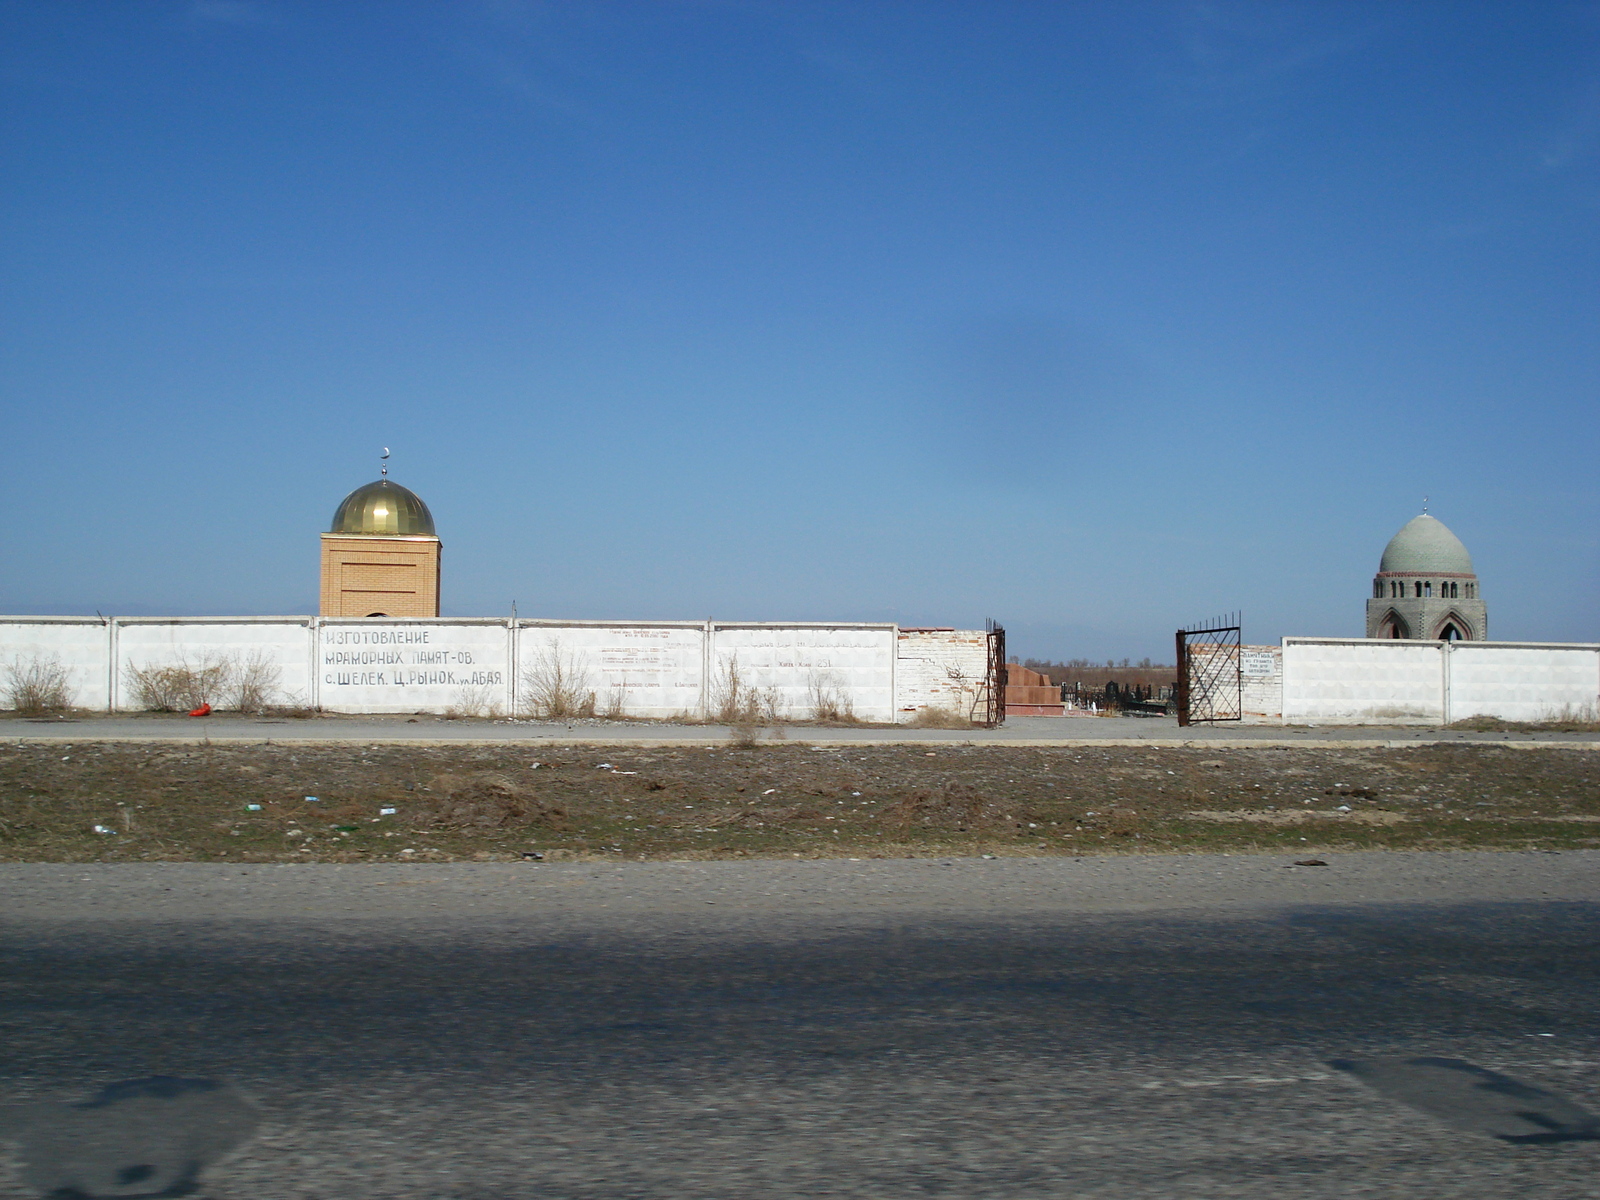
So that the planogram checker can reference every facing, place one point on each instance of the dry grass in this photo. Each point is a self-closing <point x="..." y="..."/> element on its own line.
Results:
<point x="939" y="718"/>
<point x="1564" y="720"/>
<point x="475" y="700"/>
<point x="777" y="799"/>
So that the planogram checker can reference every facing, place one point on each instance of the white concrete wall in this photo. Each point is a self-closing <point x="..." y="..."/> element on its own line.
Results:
<point x="1360" y="682"/>
<point x="653" y="669"/>
<point x="410" y="665"/>
<point x="853" y="662"/>
<point x="281" y="644"/>
<point x="1356" y="681"/>
<point x="1522" y="683"/>
<point x="939" y="668"/>
<point x="81" y="645"/>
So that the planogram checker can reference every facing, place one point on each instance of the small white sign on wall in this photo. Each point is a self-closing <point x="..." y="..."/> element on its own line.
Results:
<point x="1257" y="664"/>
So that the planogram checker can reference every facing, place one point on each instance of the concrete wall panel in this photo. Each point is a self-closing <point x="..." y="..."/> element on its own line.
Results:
<point x="1361" y="682"/>
<point x="422" y="665"/>
<point x="794" y="662"/>
<point x="1522" y="683"/>
<point x="1382" y="682"/>
<point x="81" y="645"/>
<point x="279" y="646"/>
<point x="634" y="669"/>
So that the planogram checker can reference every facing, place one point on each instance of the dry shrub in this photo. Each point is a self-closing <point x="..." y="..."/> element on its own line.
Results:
<point x="180" y="687"/>
<point x="958" y="806"/>
<point x="939" y="718"/>
<point x="252" y="685"/>
<point x="828" y="700"/>
<point x="475" y="700"/>
<point x="739" y="703"/>
<point x="226" y="681"/>
<point x="490" y="801"/>
<point x="38" y="685"/>
<point x="742" y="706"/>
<point x="555" y="684"/>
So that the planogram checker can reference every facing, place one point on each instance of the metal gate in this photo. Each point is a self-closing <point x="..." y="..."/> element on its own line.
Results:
<point x="994" y="676"/>
<point x="1210" y="687"/>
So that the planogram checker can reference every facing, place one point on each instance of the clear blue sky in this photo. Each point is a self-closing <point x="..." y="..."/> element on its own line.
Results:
<point x="1092" y="318"/>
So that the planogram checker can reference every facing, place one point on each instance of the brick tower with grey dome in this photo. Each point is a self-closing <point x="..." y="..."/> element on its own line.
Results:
<point x="1425" y="587"/>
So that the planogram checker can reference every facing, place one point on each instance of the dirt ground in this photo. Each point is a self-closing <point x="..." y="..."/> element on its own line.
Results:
<point x="129" y="802"/>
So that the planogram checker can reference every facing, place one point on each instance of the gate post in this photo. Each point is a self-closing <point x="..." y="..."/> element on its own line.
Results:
<point x="1210" y="686"/>
<point x="995" y="674"/>
<point x="1183" y="678"/>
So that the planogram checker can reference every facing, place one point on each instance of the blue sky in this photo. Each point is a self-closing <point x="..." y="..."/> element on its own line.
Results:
<point x="1092" y="318"/>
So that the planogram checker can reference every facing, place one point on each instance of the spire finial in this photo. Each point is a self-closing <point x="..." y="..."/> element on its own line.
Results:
<point x="383" y="465"/>
<point x="1424" y="499"/>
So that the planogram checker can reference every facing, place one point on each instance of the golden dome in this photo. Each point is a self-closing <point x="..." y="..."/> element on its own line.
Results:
<point x="383" y="508"/>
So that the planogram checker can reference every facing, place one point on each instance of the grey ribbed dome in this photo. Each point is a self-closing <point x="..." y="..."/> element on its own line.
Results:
<point x="383" y="508"/>
<point x="1427" y="547"/>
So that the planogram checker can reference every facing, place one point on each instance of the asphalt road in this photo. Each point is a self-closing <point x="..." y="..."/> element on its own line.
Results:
<point x="1150" y="1027"/>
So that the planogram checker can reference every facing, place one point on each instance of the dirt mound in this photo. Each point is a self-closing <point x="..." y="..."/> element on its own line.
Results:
<point x="957" y="806"/>
<point x="753" y="818"/>
<point x="490" y="801"/>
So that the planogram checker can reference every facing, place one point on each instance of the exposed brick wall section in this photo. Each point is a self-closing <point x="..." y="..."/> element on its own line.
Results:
<point x="1260" y="682"/>
<point x="395" y="576"/>
<point x="939" y="668"/>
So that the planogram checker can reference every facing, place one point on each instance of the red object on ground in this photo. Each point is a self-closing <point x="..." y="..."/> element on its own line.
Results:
<point x="203" y="711"/>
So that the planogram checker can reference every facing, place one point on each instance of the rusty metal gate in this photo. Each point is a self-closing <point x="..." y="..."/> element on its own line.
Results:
<point x="994" y="677"/>
<point x="1210" y="687"/>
